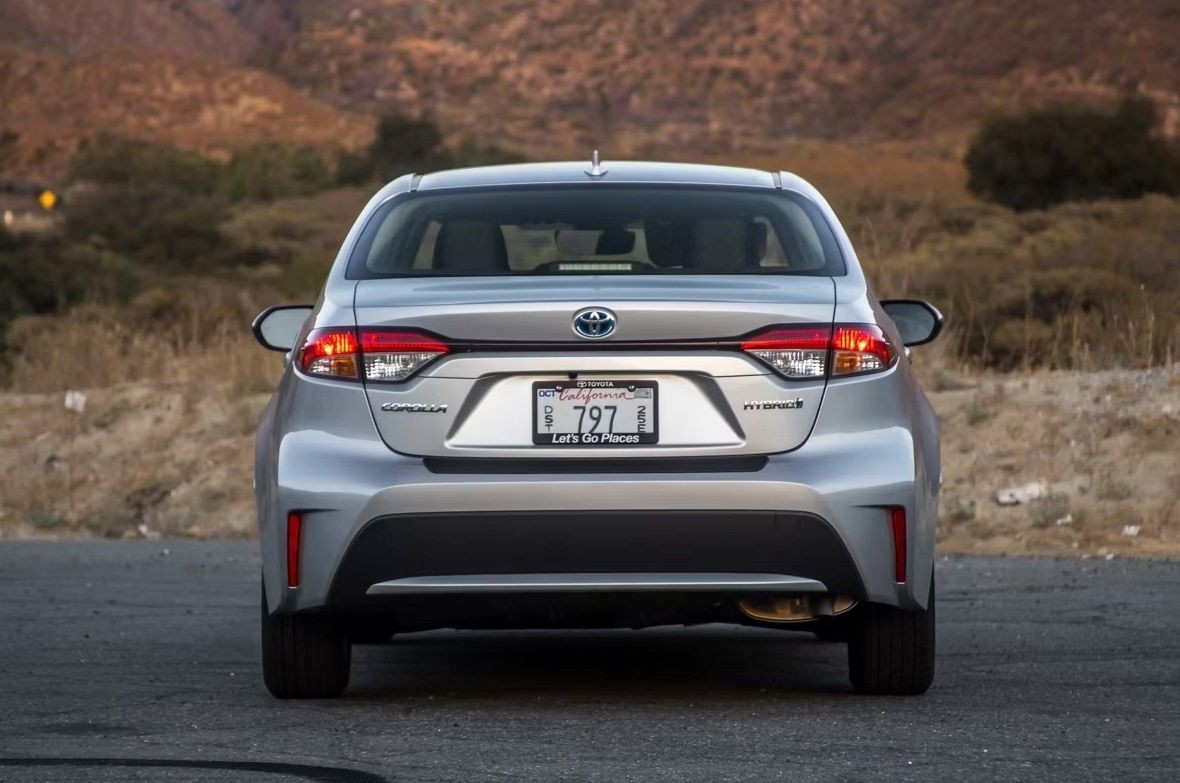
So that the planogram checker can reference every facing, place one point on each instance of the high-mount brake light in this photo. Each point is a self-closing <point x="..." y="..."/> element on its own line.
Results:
<point x="804" y="352"/>
<point x="384" y="354"/>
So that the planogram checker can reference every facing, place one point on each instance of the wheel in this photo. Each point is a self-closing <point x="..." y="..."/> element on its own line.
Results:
<point x="304" y="656"/>
<point x="891" y="650"/>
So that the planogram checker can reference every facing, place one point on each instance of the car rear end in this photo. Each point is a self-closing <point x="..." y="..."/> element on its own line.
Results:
<point x="619" y="402"/>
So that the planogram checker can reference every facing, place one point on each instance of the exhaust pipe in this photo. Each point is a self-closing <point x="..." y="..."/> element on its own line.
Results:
<point x="795" y="608"/>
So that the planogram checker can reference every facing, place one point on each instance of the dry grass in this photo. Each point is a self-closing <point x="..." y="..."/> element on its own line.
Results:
<point x="191" y="338"/>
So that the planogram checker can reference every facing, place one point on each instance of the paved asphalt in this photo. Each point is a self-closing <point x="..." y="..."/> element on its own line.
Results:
<point x="138" y="661"/>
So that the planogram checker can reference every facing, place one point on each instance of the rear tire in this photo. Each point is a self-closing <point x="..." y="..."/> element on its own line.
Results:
<point x="304" y="656"/>
<point x="891" y="650"/>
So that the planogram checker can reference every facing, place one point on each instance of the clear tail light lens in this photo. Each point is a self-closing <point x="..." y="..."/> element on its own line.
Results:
<point x="396" y="355"/>
<point x="803" y="352"/>
<point x="793" y="352"/>
<point x="381" y="354"/>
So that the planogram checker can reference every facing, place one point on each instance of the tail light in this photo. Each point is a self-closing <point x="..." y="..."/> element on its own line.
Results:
<point x="802" y="352"/>
<point x="381" y="354"/>
<point x="330" y="352"/>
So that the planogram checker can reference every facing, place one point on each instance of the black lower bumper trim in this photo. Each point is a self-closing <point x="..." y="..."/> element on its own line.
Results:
<point x="566" y="465"/>
<point x="555" y="542"/>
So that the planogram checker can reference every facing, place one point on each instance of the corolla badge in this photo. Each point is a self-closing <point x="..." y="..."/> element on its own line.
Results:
<point x="414" y="407"/>
<point x="594" y="323"/>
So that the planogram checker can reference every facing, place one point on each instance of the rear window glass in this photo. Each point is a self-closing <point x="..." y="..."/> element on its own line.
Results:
<point x="596" y="230"/>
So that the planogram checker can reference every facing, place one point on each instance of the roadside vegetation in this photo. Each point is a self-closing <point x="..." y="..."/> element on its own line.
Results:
<point x="1072" y="152"/>
<point x="143" y="293"/>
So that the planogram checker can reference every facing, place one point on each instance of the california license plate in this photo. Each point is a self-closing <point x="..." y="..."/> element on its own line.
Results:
<point x="595" y="413"/>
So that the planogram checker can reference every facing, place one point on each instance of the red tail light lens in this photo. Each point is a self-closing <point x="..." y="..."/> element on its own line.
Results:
<point x="384" y="354"/>
<point x="857" y="349"/>
<point x="330" y="352"/>
<point x="802" y="352"/>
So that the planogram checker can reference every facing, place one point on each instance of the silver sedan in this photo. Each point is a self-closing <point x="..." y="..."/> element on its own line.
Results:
<point x="597" y="395"/>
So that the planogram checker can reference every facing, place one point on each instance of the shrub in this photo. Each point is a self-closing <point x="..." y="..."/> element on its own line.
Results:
<point x="264" y="172"/>
<point x="47" y="275"/>
<point x="403" y="144"/>
<point x="157" y="225"/>
<point x="116" y="160"/>
<point x="1077" y="285"/>
<point x="1065" y="152"/>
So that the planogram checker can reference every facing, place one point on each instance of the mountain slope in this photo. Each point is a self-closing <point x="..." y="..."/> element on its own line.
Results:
<point x="736" y="74"/>
<point x="553" y="77"/>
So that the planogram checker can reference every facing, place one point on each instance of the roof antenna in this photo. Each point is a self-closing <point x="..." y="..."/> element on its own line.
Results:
<point x="596" y="169"/>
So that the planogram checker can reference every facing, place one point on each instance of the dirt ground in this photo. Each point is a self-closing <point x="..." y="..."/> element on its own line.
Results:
<point x="1093" y="457"/>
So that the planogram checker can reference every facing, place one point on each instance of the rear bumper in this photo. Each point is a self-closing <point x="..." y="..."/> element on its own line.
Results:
<point x="580" y="551"/>
<point x="373" y="516"/>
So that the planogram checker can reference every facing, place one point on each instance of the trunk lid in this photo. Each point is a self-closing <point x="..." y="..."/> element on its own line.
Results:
<point x="514" y="335"/>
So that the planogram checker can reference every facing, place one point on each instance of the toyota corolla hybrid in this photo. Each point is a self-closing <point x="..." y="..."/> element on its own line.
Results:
<point x="597" y="395"/>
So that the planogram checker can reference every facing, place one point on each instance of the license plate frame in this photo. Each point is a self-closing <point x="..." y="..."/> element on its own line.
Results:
<point x="629" y="439"/>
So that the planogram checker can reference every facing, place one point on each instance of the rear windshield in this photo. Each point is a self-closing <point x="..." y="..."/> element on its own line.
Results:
<point x="598" y="230"/>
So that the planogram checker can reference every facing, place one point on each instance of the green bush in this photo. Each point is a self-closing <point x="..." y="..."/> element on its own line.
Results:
<point x="258" y="172"/>
<point x="404" y="144"/>
<point x="157" y="225"/>
<point x="47" y="275"/>
<point x="1066" y="152"/>
<point x="264" y="172"/>
<point x="116" y="160"/>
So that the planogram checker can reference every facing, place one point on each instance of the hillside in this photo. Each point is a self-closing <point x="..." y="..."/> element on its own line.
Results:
<point x="170" y="72"/>
<point x="739" y="74"/>
<point x="657" y="77"/>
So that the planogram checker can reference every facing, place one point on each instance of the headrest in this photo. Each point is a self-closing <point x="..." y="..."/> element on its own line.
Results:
<point x="615" y="242"/>
<point x="667" y="241"/>
<point x="470" y="246"/>
<point x="721" y="244"/>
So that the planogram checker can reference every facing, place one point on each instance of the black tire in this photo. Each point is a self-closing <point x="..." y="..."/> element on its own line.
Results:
<point x="304" y="656"/>
<point x="891" y="650"/>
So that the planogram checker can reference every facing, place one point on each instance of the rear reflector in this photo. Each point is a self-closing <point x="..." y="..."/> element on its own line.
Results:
<point x="803" y="352"/>
<point x="384" y="354"/>
<point x="294" y="536"/>
<point x="897" y="519"/>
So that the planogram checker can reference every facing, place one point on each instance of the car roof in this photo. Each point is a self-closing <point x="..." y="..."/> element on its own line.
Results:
<point x="618" y="171"/>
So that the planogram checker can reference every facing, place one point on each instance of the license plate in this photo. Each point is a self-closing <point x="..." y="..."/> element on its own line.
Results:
<point x="594" y="413"/>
